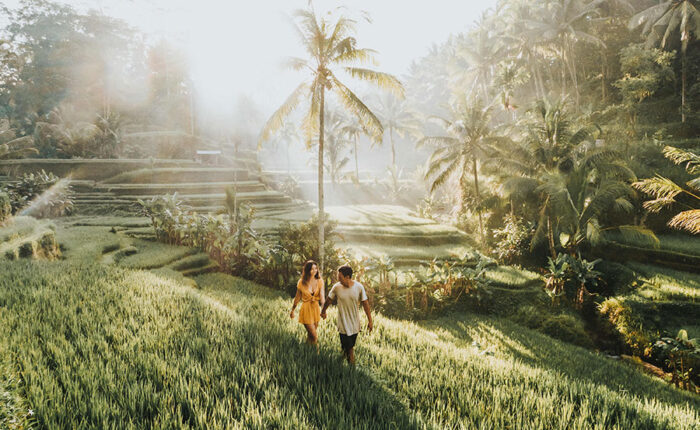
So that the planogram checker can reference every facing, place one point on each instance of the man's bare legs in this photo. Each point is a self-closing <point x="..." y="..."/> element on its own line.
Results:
<point x="349" y="355"/>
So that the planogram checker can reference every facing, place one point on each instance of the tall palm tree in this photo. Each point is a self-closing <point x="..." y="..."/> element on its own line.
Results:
<point x="330" y="46"/>
<point x="557" y="25"/>
<point x="661" y="20"/>
<point x="336" y="142"/>
<point x="475" y="59"/>
<point x="575" y="183"/>
<point x="397" y="119"/>
<point x="469" y="140"/>
<point x="353" y="130"/>
<point x="286" y="135"/>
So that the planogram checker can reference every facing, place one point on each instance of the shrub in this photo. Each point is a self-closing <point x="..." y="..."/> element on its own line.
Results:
<point x="5" y="207"/>
<point x="628" y="322"/>
<point x="512" y="241"/>
<point x="571" y="277"/>
<point x="681" y="356"/>
<point x="45" y="195"/>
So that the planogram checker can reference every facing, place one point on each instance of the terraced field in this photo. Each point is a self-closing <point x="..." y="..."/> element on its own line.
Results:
<point x="133" y="348"/>
<point x="385" y="231"/>
<point x="27" y="237"/>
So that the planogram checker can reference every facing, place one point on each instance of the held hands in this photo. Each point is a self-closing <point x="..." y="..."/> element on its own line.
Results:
<point x="323" y="315"/>
<point x="291" y="314"/>
<point x="369" y="326"/>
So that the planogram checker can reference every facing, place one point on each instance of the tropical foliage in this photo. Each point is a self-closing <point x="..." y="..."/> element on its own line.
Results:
<point x="331" y="46"/>
<point x="666" y="192"/>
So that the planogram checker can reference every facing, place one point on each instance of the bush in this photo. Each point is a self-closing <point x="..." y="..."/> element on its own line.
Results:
<point x="512" y="241"/>
<point x="5" y="207"/>
<point x="571" y="277"/>
<point x="41" y="195"/>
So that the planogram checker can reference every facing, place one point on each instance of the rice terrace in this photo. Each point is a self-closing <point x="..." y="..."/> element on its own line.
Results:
<point x="350" y="215"/>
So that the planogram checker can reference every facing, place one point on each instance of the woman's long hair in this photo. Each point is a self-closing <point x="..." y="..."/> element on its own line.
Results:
<point x="307" y="272"/>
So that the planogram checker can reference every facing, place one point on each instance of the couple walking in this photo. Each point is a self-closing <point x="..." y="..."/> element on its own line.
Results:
<point x="348" y="296"/>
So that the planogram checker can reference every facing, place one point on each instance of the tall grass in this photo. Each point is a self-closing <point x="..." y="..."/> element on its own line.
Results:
<point x="107" y="347"/>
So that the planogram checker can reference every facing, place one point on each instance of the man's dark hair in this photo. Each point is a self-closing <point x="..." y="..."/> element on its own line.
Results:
<point x="345" y="270"/>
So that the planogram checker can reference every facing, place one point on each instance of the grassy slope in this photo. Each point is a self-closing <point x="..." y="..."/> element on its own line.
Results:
<point x="104" y="346"/>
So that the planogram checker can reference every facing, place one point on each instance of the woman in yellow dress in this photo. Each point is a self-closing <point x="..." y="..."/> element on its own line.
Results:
<point x="311" y="293"/>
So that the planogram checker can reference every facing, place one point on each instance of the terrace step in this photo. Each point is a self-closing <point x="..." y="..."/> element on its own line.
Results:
<point x="181" y="175"/>
<point x="180" y="188"/>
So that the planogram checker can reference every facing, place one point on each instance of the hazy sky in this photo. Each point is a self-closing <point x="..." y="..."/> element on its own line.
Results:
<point x="236" y="47"/>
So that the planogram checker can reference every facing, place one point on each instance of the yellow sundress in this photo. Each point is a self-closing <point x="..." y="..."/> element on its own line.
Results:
<point x="310" y="311"/>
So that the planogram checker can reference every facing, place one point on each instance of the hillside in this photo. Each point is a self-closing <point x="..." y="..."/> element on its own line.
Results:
<point x="131" y="348"/>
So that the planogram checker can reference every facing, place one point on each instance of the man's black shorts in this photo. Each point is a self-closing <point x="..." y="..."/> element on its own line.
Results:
<point x="348" y="342"/>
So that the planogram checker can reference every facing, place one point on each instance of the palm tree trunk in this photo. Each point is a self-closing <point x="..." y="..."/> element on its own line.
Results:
<point x="321" y="213"/>
<point x="478" y="199"/>
<point x="393" y="149"/>
<point x="357" y="169"/>
<point x="684" y="66"/>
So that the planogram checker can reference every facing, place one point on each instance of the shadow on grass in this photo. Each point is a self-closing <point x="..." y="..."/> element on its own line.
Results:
<point x="574" y="362"/>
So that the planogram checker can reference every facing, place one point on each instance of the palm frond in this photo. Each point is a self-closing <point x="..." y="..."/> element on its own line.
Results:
<point x="622" y="204"/>
<point x="296" y="64"/>
<point x="438" y="141"/>
<point x="687" y="220"/>
<point x="679" y="156"/>
<point x="604" y="199"/>
<point x="636" y="234"/>
<point x="276" y="121"/>
<point x="311" y="124"/>
<point x="659" y="187"/>
<point x="352" y="103"/>
<point x="694" y="184"/>
<point x="444" y="175"/>
<point x="362" y="56"/>
<point x="383" y="80"/>
<point x="654" y="206"/>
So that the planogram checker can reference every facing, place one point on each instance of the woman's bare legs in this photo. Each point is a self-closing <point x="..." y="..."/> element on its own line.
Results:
<point x="311" y="335"/>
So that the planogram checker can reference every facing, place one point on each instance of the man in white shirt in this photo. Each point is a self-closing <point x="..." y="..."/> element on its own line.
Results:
<point x="348" y="295"/>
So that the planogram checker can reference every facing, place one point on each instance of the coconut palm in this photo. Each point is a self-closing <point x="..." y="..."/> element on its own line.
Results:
<point x="475" y="59"/>
<point x="557" y="26"/>
<point x="337" y="141"/>
<point x="330" y="46"/>
<point x="286" y="135"/>
<point x="662" y="20"/>
<point x="574" y="183"/>
<point x="353" y="130"/>
<point x="397" y="119"/>
<point x="470" y="139"/>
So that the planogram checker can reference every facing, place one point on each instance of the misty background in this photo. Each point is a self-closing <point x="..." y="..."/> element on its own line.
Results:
<point x="229" y="58"/>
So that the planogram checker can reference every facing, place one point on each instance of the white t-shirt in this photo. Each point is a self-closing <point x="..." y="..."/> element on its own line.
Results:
<point x="349" y="299"/>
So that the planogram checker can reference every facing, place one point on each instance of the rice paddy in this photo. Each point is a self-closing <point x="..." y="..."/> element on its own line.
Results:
<point x="131" y="348"/>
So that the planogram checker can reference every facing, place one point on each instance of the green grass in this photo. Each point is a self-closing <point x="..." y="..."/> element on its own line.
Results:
<point x="152" y="254"/>
<point x="161" y="355"/>
<point x="512" y="277"/>
<point x="103" y="346"/>
<point x="679" y="243"/>
<point x="662" y="284"/>
<point x="22" y="226"/>
<point x="111" y="221"/>
<point x="408" y="254"/>
<point x="27" y="237"/>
